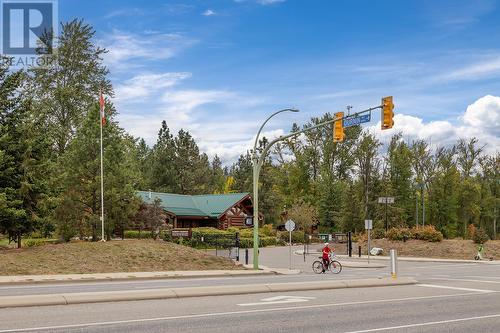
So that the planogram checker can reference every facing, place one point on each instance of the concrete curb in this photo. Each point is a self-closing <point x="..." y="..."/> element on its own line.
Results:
<point x="167" y="293"/>
<point x="414" y="259"/>
<point x="124" y="276"/>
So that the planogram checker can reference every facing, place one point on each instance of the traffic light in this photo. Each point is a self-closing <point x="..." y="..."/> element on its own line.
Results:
<point x="338" y="128"/>
<point x="387" y="113"/>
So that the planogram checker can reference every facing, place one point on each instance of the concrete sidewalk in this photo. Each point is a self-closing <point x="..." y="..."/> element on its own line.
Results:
<point x="30" y="279"/>
<point x="420" y="259"/>
<point x="356" y="258"/>
<point x="166" y="293"/>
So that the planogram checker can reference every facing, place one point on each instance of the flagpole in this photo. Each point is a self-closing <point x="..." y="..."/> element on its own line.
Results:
<point x="103" y="239"/>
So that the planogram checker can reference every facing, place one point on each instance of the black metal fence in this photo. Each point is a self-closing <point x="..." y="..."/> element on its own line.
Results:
<point x="224" y="245"/>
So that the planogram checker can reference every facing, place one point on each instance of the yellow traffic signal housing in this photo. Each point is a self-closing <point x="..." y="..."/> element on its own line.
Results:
<point x="387" y="113"/>
<point x="338" y="128"/>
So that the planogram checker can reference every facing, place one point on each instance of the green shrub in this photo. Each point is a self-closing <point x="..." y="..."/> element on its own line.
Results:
<point x="268" y="230"/>
<point x="427" y="233"/>
<point x="31" y="242"/>
<point x="167" y="236"/>
<point x="264" y="241"/>
<point x="246" y="243"/>
<point x="136" y="235"/>
<point x="480" y="236"/>
<point x="268" y="241"/>
<point x="297" y="236"/>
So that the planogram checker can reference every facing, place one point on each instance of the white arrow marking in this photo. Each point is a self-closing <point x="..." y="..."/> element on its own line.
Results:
<point x="279" y="300"/>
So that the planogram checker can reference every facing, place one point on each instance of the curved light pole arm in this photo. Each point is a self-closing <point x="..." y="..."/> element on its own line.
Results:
<point x="256" y="169"/>
<point x="264" y="124"/>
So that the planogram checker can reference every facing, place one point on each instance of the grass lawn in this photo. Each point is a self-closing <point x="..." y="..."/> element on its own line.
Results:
<point x="115" y="256"/>
<point x="447" y="249"/>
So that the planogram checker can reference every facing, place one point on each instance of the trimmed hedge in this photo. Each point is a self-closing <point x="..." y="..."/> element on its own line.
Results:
<point x="264" y="241"/>
<point x="31" y="242"/>
<point x="136" y="235"/>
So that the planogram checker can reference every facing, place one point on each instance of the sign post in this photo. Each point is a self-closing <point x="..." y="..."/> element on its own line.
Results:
<point x="290" y="226"/>
<point x="369" y="227"/>
<point x="386" y="201"/>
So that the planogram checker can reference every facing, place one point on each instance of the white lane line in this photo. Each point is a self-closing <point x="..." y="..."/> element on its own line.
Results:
<point x="455" y="288"/>
<point x="429" y="323"/>
<point x="437" y="266"/>
<point x="218" y="314"/>
<point x="481" y="276"/>
<point x="279" y="300"/>
<point x="466" y="280"/>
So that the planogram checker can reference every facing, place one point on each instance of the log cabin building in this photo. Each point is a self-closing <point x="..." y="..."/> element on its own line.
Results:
<point x="219" y="211"/>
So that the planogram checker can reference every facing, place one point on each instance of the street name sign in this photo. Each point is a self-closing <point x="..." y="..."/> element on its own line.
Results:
<point x="356" y="120"/>
<point x="389" y="200"/>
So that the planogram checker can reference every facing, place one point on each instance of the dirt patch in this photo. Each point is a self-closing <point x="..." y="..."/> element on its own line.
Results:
<point x="114" y="256"/>
<point x="447" y="249"/>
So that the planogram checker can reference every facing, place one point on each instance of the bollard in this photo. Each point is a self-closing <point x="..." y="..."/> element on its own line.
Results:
<point x="246" y="256"/>
<point x="394" y="263"/>
<point x="305" y="243"/>
<point x="349" y="244"/>
<point x="359" y="251"/>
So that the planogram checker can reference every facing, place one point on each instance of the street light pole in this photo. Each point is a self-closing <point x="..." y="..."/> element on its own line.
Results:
<point x="256" y="170"/>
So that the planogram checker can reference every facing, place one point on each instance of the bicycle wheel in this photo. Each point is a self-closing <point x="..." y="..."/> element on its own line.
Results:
<point x="317" y="267"/>
<point x="335" y="267"/>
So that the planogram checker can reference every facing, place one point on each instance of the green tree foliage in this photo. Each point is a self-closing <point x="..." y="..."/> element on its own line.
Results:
<point x="66" y="89"/>
<point x="23" y="160"/>
<point x="81" y="179"/>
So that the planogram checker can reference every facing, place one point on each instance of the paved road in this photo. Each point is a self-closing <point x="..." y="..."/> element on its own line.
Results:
<point x="441" y="306"/>
<point x="451" y="297"/>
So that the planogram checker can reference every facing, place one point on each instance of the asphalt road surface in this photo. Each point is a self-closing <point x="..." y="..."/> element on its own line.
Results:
<point x="450" y="297"/>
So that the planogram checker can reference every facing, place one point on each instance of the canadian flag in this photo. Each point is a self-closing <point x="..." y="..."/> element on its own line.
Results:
<point x="101" y="105"/>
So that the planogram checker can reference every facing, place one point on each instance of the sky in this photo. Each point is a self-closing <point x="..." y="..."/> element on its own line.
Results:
<point x="218" y="68"/>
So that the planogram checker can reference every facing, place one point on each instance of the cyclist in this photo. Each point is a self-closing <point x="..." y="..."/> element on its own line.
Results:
<point x="326" y="256"/>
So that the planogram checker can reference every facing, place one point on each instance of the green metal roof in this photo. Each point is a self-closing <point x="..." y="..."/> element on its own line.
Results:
<point x="210" y="205"/>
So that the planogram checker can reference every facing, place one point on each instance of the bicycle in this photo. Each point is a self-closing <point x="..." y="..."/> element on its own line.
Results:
<point x="334" y="266"/>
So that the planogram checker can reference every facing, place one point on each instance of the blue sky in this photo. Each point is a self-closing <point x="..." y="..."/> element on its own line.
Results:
<point x="218" y="68"/>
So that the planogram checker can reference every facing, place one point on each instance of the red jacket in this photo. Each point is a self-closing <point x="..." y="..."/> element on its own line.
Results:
<point x="326" y="252"/>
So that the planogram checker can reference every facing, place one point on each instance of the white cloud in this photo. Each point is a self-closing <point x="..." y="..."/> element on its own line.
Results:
<point x="143" y="85"/>
<point x="208" y="12"/>
<point x="147" y="99"/>
<point x="484" y="113"/>
<point x="123" y="47"/>
<point x="481" y="120"/>
<point x="475" y="71"/>
<point x="187" y="100"/>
